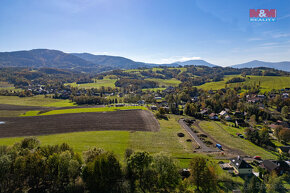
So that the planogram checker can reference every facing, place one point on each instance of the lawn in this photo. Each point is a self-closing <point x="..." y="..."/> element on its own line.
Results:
<point x="82" y="110"/>
<point x="227" y="135"/>
<point x="165" y="82"/>
<point x="267" y="82"/>
<point x="165" y="140"/>
<point x="106" y="82"/>
<point x="39" y="100"/>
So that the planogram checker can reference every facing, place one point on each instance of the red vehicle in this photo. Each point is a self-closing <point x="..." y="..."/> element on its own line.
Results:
<point x="257" y="157"/>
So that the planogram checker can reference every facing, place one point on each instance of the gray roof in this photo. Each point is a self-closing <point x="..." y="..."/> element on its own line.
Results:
<point x="239" y="163"/>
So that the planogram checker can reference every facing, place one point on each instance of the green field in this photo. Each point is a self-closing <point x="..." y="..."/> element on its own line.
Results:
<point x="106" y="82"/>
<point x="153" y="89"/>
<point x="267" y="82"/>
<point x="165" y="140"/>
<point x="4" y="113"/>
<point x="227" y="136"/>
<point x="82" y="110"/>
<point x="8" y="86"/>
<point x="165" y="82"/>
<point x="116" y="141"/>
<point x="39" y="100"/>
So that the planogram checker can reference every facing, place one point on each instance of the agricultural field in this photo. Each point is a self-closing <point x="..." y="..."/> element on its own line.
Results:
<point x="38" y="100"/>
<point x="153" y="89"/>
<point x="267" y="83"/>
<point x="106" y="82"/>
<point x="132" y="120"/>
<point x="7" y="86"/>
<point x="82" y="110"/>
<point x="165" y="82"/>
<point x="163" y="140"/>
<point x="227" y="135"/>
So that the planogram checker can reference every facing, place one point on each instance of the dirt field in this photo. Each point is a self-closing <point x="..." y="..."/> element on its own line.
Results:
<point x="132" y="120"/>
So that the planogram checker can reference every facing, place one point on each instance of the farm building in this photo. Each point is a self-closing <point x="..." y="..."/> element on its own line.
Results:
<point x="241" y="167"/>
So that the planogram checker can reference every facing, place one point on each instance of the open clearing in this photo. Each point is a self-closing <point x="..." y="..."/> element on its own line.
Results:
<point x="267" y="82"/>
<point x="131" y="120"/>
<point x="164" y="140"/>
<point x="83" y="110"/>
<point x="165" y="82"/>
<point x="106" y="82"/>
<point x="38" y="100"/>
<point x="226" y="135"/>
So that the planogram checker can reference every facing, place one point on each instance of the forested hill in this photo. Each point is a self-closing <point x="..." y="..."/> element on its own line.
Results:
<point x="43" y="58"/>
<point x="106" y="62"/>
<point x="285" y="66"/>
<point x="86" y="62"/>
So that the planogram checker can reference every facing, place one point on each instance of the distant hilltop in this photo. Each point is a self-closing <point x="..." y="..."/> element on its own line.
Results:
<point x="98" y="63"/>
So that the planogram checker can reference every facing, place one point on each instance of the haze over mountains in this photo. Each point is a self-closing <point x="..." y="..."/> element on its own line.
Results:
<point x="97" y="63"/>
<point x="285" y="66"/>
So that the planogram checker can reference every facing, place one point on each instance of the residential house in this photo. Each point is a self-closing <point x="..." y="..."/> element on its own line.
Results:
<point x="280" y="167"/>
<point x="223" y="113"/>
<point x="213" y="116"/>
<point x="228" y="118"/>
<point x="240" y="166"/>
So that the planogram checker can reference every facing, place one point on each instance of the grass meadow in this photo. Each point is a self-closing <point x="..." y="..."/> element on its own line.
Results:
<point x="82" y="110"/>
<point x="38" y="100"/>
<point x="227" y="135"/>
<point x="165" y="140"/>
<point x="165" y="82"/>
<point x="267" y="83"/>
<point x="106" y="82"/>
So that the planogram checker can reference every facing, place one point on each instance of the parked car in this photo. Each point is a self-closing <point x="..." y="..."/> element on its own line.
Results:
<point x="219" y="146"/>
<point x="257" y="157"/>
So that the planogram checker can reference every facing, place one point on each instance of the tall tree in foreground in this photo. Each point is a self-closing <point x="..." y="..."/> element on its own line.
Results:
<point x="103" y="174"/>
<point x="203" y="175"/>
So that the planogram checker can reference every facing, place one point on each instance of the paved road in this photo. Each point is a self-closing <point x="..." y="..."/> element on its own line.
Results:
<point x="203" y="147"/>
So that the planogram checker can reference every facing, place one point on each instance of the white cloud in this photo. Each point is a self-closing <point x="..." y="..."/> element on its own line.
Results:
<point x="284" y="17"/>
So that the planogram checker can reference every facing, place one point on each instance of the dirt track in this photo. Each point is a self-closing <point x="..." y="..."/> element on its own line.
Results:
<point x="132" y="120"/>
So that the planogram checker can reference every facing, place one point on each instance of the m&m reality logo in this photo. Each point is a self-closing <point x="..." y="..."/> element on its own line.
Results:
<point x="263" y="15"/>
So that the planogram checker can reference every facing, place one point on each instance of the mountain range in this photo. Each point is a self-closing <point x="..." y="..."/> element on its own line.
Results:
<point x="285" y="66"/>
<point x="87" y="62"/>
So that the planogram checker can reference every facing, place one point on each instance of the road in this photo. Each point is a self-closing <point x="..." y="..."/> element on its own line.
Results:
<point x="203" y="146"/>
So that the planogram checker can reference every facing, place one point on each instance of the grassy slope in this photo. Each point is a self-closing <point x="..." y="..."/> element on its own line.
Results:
<point x="267" y="82"/>
<point x="227" y="136"/>
<point x="166" y="140"/>
<point x="165" y="82"/>
<point x="153" y="89"/>
<point x="7" y="86"/>
<point x="106" y="82"/>
<point x="38" y="100"/>
<point x="83" y="110"/>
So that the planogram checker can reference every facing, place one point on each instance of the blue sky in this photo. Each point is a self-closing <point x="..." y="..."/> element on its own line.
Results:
<point x="159" y="31"/>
